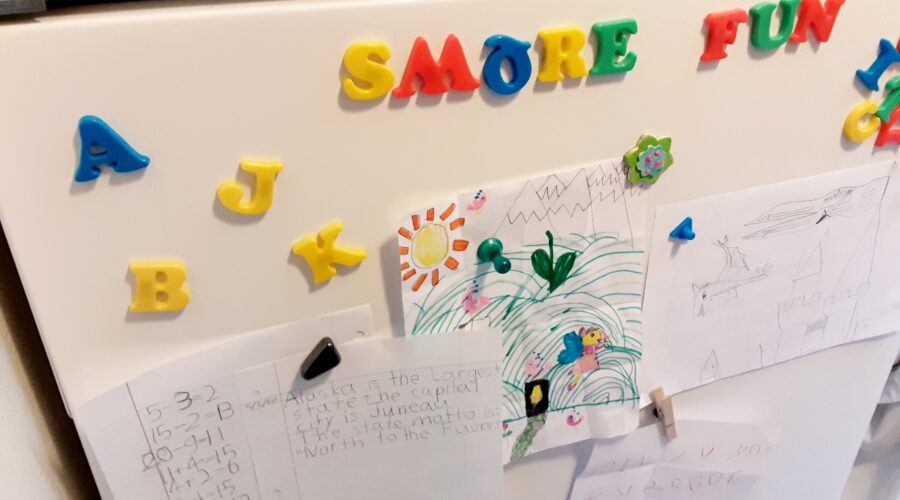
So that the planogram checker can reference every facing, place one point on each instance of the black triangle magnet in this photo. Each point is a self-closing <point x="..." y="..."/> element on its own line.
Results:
<point x="323" y="357"/>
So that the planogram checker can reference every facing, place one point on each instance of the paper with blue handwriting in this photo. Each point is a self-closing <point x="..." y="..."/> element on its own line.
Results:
<point x="569" y="306"/>
<point x="707" y="461"/>
<point x="774" y="273"/>
<point x="176" y="433"/>
<point x="413" y="418"/>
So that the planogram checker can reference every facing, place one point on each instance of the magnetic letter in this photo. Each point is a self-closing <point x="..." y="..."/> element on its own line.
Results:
<point x="721" y="30"/>
<point x="854" y="129"/>
<point x="101" y="145"/>
<point x="891" y="99"/>
<point x="321" y="252"/>
<point x="231" y="193"/>
<point x="159" y="286"/>
<point x="887" y="55"/>
<point x="359" y="62"/>
<point x="814" y="16"/>
<point x="562" y="47"/>
<point x="422" y="64"/>
<point x="761" y="29"/>
<point x="612" y="47"/>
<point x="516" y="51"/>
<point x="888" y="134"/>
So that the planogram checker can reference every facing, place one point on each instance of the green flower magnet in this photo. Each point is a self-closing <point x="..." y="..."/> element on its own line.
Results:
<point x="649" y="159"/>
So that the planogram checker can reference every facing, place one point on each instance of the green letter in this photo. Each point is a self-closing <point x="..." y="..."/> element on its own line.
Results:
<point x="761" y="31"/>
<point x="612" y="47"/>
<point x="891" y="99"/>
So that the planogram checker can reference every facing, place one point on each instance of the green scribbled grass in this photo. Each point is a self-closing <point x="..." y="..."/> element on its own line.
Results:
<point x="603" y="290"/>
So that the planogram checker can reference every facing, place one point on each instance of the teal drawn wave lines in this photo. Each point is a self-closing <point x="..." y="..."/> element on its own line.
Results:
<point x="604" y="290"/>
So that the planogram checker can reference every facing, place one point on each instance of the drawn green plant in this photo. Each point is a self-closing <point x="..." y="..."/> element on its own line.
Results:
<point x="523" y="442"/>
<point x="543" y="265"/>
<point x="606" y="267"/>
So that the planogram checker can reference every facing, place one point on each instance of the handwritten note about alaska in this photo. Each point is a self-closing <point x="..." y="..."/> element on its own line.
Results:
<point x="708" y="460"/>
<point x="409" y="418"/>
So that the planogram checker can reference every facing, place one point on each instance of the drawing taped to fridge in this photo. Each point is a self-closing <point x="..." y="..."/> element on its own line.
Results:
<point x="774" y="273"/>
<point x="568" y="304"/>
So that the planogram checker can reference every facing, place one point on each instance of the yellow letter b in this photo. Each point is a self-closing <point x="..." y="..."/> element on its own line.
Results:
<point x="159" y="286"/>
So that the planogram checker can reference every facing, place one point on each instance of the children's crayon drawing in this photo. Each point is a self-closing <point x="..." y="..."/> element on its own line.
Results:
<point x="569" y="305"/>
<point x="774" y="273"/>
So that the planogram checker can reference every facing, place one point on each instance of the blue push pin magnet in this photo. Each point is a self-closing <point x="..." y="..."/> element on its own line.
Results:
<point x="684" y="231"/>
<point x="491" y="250"/>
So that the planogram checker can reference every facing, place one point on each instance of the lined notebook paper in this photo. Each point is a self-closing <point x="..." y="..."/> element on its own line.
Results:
<point x="414" y="418"/>
<point x="175" y="433"/>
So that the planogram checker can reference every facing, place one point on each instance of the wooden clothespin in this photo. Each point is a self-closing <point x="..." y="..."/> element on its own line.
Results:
<point x="664" y="411"/>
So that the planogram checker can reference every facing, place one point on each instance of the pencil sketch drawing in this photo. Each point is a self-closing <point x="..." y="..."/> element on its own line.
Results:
<point x="775" y="272"/>
<point x="843" y="202"/>
<point x="735" y="274"/>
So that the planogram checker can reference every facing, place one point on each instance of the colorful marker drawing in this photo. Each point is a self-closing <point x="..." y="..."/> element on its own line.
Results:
<point x="429" y="244"/>
<point x="535" y="365"/>
<point x="477" y="202"/>
<point x="592" y="219"/>
<point x="473" y="301"/>
<point x="574" y="417"/>
<point x="581" y="350"/>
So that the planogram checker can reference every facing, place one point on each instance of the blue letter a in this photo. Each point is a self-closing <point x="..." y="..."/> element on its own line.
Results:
<point x="101" y="145"/>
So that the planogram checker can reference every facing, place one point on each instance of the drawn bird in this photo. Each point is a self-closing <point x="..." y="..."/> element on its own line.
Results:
<point x="478" y="203"/>
<point x="473" y="301"/>
<point x="535" y="366"/>
<point x="581" y="349"/>
<point x="537" y="395"/>
<point x="574" y="418"/>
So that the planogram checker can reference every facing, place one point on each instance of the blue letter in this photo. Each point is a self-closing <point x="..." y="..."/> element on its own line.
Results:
<point x="101" y="145"/>
<point x="507" y="47"/>
<point x="887" y="55"/>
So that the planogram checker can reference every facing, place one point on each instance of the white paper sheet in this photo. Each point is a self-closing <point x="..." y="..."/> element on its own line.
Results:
<point x="774" y="273"/>
<point x="405" y="419"/>
<point x="591" y="213"/>
<point x="627" y="484"/>
<point x="708" y="460"/>
<point x="175" y="433"/>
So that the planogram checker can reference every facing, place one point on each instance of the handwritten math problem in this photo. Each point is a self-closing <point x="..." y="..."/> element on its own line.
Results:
<point x="197" y="446"/>
<point x="178" y="432"/>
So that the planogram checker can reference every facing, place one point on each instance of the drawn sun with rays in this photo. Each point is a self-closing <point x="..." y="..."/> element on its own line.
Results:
<point x="429" y="245"/>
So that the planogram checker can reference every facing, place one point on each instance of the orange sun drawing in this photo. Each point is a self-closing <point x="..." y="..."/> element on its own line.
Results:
<point x="428" y="245"/>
